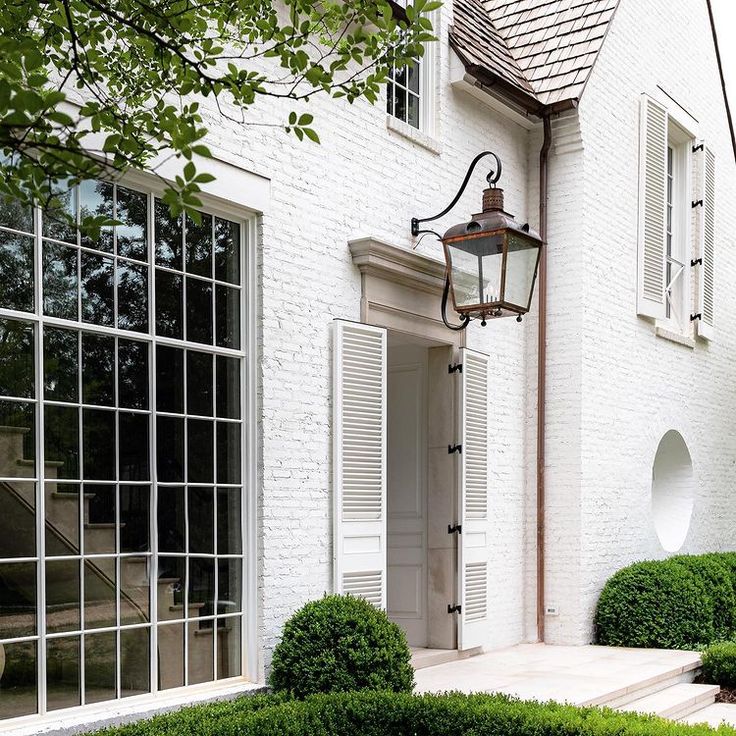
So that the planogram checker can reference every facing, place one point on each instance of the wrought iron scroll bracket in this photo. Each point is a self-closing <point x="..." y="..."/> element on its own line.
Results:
<point x="493" y="176"/>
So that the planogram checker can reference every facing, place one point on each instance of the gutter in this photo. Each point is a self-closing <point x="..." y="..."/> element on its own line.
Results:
<point x="542" y="369"/>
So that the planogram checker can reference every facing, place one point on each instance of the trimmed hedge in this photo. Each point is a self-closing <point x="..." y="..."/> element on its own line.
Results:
<point x="341" y="643"/>
<point x="719" y="664"/>
<point x="684" y="602"/>
<point x="400" y="714"/>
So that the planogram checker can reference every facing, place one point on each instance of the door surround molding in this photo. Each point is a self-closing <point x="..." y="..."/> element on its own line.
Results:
<point x="401" y="290"/>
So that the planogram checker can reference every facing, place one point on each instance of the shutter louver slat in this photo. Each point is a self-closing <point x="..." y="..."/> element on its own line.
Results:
<point x="651" y="300"/>
<point x="474" y="476"/>
<point x="359" y="456"/>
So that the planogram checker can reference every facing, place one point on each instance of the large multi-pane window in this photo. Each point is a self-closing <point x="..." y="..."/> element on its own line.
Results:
<point x="121" y="436"/>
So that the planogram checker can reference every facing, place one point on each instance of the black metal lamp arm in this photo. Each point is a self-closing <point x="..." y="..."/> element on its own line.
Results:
<point x="493" y="176"/>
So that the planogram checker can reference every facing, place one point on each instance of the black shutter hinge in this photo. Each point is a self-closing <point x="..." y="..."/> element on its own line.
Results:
<point x="455" y="529"/>
<point x="698" y="203"/>
<point x="696" y="262"/>
<point x="693" y="317"/>
<point x="455" y="368"/>
<point x="452" y="449"/>
<point x="454" y="609"/>
<point x="699" y="147"/>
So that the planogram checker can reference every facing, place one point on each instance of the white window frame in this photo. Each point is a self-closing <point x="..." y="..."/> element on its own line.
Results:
<point x="679" y="245"/>
<point x="250" y="660"/>
<point x="428" y="66"/>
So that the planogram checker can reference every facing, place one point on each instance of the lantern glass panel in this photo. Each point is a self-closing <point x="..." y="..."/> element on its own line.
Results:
<point x="477" y="265"/>
<point x="521" y="268"/>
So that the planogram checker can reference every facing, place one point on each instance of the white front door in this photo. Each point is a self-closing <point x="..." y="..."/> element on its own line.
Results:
<point x="406" y="492"/>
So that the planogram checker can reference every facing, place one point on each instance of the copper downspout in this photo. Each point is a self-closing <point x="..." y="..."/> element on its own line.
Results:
<point x="542" y="369"/>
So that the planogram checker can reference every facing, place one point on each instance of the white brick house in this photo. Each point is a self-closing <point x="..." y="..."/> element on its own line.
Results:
<point x="179" y="477"/>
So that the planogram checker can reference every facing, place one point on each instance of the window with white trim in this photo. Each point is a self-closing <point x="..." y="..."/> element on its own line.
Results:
<point x="404" y="99"/>
<point x="676" y="224"/>
<point x="122" y="372"/>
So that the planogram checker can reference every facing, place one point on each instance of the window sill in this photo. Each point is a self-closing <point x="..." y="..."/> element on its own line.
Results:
<point x="415" y="136"/>
<point x="683" y="340"/>
<point x="126" y="710"/>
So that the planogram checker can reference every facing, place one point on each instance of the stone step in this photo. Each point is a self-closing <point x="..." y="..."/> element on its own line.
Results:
<point x="676" y="701"/>
<point x="713" y="715"/>
<point x="421" y="658"/>
<point x="664" y="670"/>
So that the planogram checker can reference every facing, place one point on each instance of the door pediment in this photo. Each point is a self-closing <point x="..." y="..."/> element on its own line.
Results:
<point x="401" y="290"/>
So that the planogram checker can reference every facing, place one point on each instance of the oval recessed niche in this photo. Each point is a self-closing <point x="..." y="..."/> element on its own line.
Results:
<point x="673" y="491"/>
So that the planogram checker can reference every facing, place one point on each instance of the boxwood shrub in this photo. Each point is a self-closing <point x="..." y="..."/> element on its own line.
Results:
<point x="341" y="643"/>
<point x="684" y="602"/>
<point x="719" y="664"/>
<point x="369" y="713"/>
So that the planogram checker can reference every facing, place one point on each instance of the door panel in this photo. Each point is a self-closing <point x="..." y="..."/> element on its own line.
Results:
<point x="406" y="480"/>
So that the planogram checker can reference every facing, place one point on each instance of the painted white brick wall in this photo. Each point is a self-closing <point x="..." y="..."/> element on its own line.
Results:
<point x="364" y="180"/>
<point x="614" y="387"/>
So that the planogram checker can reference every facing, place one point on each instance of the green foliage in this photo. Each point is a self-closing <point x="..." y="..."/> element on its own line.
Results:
<point x="89" y="88"/>
<point x="401" y="714"/>
<point x="684" y="602"/>
<point x="340" y="644"/>
<point x="719" y="664"/>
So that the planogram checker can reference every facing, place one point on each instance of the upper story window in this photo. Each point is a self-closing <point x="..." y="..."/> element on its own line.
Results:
<point x="676" y="224"/>
<point x="404" y="94"/>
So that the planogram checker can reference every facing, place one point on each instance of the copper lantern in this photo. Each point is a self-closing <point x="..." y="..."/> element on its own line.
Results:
<point x="491" y="262"/>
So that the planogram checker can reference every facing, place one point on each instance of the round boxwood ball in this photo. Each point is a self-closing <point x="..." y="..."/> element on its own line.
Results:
<point x="341" y="644"/>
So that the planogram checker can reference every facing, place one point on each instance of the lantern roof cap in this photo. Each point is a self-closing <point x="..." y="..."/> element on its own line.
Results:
<point x="492" y="219"/>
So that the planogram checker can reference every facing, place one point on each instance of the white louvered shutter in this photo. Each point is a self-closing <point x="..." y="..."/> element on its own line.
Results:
<point x="473" y="626"/>
<point x="652" y="251"/>
<point x="706" y="234"/>
<point x="359" y="460"/>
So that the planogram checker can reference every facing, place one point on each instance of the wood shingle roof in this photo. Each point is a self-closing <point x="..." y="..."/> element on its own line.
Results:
<point x="544" y="48"/>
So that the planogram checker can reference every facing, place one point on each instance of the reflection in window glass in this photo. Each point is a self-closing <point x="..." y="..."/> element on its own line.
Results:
<point x="198" y="246"/>
<point x="62" y="595"/>
<point x="16" y="271"/>
<point x="61" y="364"/>
<point x="100" y="666"/>
<point x="169" y="304"/>
<point x="99" y="444"/>
<point x="16" y="358"/>
<point x="228" y="452"/>
<point x="95" y="200"/>
<point x="18" y="693"/>
<point x="15" y="215"/>
<point x="20" y="416"/>
<point x="228" y="387"/>
<point x="201" y="586"/>
<point x="99" y="592"/>
<point x="199" y="383"/>
<point x="202" y="667"/>
<point x="60" y="283"/>
<point x="201" y="520"/>
<point x="228" y="521"/>
<point x="227" y="308"/>
<point x="171" y="641"/>
<point x="18" y="519"/>
<point x="98" y="301"/>
<point x="133" y="374"/>
<point x="60" y="216"/>
<point x="229" y="647"/>
<point x="99" y="527"/>
<point x="63" y="538"/>
<point x="227" y="251"/>
<point x="132" y="297"/>
<point x="62" y="673"/>
<point x="228" y="585"/>
<point x="61" y="439"/>
<point x="132" y="211"/>
<point x="199" y="311"/>
<point x="98" y="369"/>
<point x="133" y="450"/>
<point x="170" y="518"/>
<point x="135" y="675"/>
<point x="170" y="449"/>
<point x="169" y="379"/>
<point x="200" y="450"/>
<point x="169" y="237"/>
<point x="135" y="504"/>
<point x="17" y="599"/>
